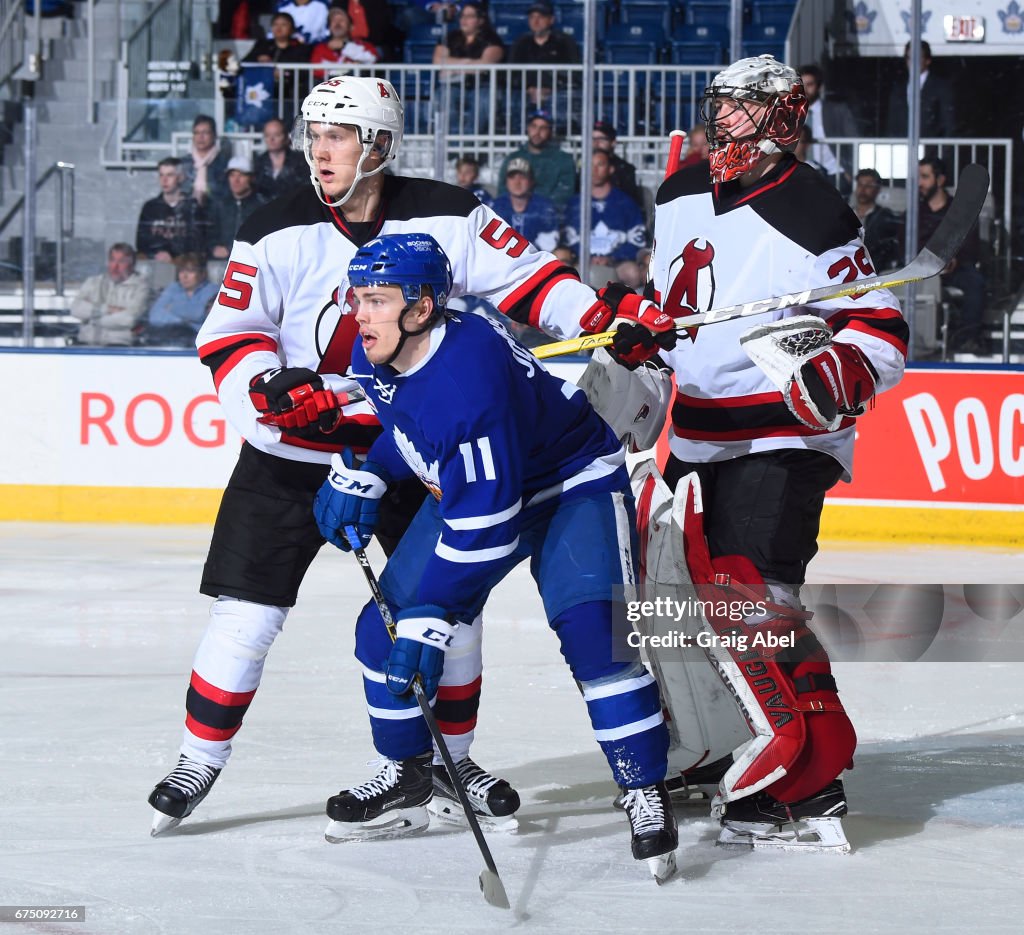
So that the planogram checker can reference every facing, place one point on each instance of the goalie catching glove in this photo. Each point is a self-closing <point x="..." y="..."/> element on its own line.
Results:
<point x="295" y="400"/>
<point x="822" y="381"/>
<point x="641" y="328"/>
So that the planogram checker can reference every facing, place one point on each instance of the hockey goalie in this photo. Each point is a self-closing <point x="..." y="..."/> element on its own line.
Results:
<point x="763" y="422"/>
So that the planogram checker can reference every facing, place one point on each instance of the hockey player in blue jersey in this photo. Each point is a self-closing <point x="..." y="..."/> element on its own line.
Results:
<point x="520" y="466"/>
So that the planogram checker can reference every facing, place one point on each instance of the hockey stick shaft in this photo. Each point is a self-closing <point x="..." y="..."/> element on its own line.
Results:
<point x="676" y="139"/>
<point x="490" y="882"/>
<point x="934" y="257"/>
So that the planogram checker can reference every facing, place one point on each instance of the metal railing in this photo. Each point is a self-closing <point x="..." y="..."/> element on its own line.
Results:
<point x="20" y="42"/>
<point x="63" y="213"/>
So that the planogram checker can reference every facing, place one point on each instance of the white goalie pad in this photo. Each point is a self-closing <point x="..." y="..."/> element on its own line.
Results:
<point x="633" y="402"/>
<point x="704" y="721"/>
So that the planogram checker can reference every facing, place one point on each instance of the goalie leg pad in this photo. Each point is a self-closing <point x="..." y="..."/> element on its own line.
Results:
<point x="633" y="402"/>
<point x="776" y="669"/>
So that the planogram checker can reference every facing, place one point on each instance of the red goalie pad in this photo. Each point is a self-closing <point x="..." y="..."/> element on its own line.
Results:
<point x="777" y="671"/>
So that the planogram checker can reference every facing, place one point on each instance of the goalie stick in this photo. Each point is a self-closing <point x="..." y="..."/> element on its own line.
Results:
<point x="490" y="883"/>
<point x="934" y="257"/>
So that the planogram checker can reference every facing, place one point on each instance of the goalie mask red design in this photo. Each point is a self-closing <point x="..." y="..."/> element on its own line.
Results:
<point x="770" y="96"/>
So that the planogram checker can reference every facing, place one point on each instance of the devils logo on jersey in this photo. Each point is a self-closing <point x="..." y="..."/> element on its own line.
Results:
<point x="382" y="89"/>
<point x="336" y="331"/>
<point x="691" y="278"/>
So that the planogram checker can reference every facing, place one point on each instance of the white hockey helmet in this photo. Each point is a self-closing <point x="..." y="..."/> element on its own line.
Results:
<point x="780" y="110"/>
<point x="371" y="105"/>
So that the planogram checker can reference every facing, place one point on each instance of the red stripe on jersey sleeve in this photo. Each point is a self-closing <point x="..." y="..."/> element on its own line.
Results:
<point x="517" y="295"/>
<point x="886" y="324"/>
<point x="219" y="695"/>
<point x="223" y="355"/>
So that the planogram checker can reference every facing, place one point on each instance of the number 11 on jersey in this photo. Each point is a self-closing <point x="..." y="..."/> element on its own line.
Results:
<point x="469" y="459"/>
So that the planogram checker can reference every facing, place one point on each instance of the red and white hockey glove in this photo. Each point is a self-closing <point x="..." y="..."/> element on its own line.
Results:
<point x="295" y="400"/>
<point x="822" y="381"/>
<point x="642" y="329"/>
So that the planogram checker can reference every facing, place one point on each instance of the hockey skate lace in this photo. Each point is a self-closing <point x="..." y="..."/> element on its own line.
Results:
<point x="478" y="782"/>
<point x="385" y="780"/>
<point x="644" y="809"/>
<point x="191" y="777"/>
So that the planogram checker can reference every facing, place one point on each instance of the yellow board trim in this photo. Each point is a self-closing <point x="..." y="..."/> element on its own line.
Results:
<point x="146" y="505"/>
<point x="172" y="506"/>
<point x="933" y="525"/>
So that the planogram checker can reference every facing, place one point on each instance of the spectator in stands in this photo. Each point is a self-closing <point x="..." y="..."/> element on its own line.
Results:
<point x="204" y="167"/>
<point x="309" y="17"/>
<point x="697" y="149"/>
<point x="803" y="149"/>
<point x="554" y="172"/>
<point x="420" y="12"/>
<point x="280" y="168"/>
<point x="623" y="173"/>
<point x="340" y="47"/>
<point x="883" y="228"/>
<point x="181" y="308"/>
<point x="467" y="174"/>
<point x="227" y="213"/>
<point x="938" y="118"/>
<point x="962" y="273"/>
<point x="172" y="223"/>
<point x="543" y="45"/>
<point x="827" y="119"/>
<point x="111" y="304"/>
<point x="282" y="48"/>
<point x="616" y="227"/>
<point x="534" y="216"/>
<point x="473" y="42"/>
<point x="372" y="23"/>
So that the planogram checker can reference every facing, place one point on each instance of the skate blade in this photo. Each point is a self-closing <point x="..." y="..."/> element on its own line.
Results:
<point x="162" y="823"/>
<point x="822" y="835"/>
<point x="451" y="813"/>
<point x="397" y="824"/>
<point x="662" y="867"/>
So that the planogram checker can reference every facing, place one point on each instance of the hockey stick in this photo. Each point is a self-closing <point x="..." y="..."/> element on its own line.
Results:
<point x="490" y="883"/>
<point x="934" y="257"/>
<point x="675" y="149"/>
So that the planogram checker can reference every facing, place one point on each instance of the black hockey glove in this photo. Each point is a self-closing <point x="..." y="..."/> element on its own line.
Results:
<point x="295" y="400"/>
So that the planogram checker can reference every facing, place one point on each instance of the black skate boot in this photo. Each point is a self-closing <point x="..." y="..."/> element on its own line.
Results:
<point x="762" y="822"/>
<point x="494" y="801"/>
<point x="177" y="794"/>
<point x="655" y="836"/>
<point x="390" y="805"/>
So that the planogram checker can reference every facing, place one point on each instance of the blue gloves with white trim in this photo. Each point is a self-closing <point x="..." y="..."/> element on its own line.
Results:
<point x="423" y="638"/>
<point x="349" y="497"/>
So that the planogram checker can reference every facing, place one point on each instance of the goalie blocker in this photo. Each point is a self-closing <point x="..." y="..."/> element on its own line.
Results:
<point x="773" y="666"/>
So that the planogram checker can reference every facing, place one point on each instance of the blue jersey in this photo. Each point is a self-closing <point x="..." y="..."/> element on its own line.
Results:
<point x="495" y="438"/>
<point x="539" y="223"/>
<point x="616" y="226"/>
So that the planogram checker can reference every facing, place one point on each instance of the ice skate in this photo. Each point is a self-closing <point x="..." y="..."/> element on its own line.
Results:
<point x="177" y="794"/>
<point x="391" y="805"/>
<point x="494" y="801"/>
<point x="694" y="786"/>
<point x="813" y="824"/>
<point x="653" y="825"/>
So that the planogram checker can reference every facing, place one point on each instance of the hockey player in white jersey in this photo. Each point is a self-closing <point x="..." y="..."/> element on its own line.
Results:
<point x="762" y="426"/>
<point x="276" y="339"/>
<point x="519" y="466"/>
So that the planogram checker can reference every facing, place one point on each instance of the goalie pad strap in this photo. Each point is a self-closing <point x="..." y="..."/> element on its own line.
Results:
<point x="815" y="682"/>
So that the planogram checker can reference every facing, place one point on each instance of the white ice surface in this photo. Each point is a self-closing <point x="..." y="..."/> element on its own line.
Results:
<point x="97" y="629"/>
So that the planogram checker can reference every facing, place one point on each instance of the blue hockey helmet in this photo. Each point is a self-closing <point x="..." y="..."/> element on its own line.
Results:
<point x="409" y="261"/>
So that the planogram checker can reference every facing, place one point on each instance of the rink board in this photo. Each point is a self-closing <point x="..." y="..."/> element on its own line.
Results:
<point x="114" y="436"/>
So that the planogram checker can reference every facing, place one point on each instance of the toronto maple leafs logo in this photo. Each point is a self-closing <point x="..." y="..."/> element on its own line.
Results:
<point x="1012" y="19"/>
<point x="861" y="18"/>
<point x="925" y="16"/>
<point x="429" y="475"/>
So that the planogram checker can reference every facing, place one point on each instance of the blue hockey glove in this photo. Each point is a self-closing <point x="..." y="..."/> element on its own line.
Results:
<point x="349" y="497"/>
<point x="423" y="638"/>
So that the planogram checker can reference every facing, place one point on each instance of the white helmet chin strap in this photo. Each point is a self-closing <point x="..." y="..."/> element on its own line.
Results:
<point x="367" y="149"/>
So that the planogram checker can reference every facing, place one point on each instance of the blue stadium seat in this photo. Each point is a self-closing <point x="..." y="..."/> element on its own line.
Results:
<point x="510" y="19"/>
<point x="632" y="53"/>
<point x="638" y="13"/>
<point x="427" y="32"/>
<point x="708" y="13"/>
<point x="637" y="32"/>
<point x="759" y="38"/>
<point x="696" y="53"/>
<point x="685" y="32"/>
<point x="418" y="53"/>
<point x="750" y="49"/>
<point x="773" y="12"/>
<point x="569" y="18"/>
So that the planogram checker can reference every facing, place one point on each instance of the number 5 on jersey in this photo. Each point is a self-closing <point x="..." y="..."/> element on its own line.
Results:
<point x="469" y="459"/>
<point x="236" y="279"/>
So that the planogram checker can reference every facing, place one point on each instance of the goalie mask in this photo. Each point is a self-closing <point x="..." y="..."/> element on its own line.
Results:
<point x="369" y="105"/>
<point x="752" y="109"/>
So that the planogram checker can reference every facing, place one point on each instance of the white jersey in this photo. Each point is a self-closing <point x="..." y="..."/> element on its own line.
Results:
<point x="719" y="245"/>
<point x="285" y="298"/>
